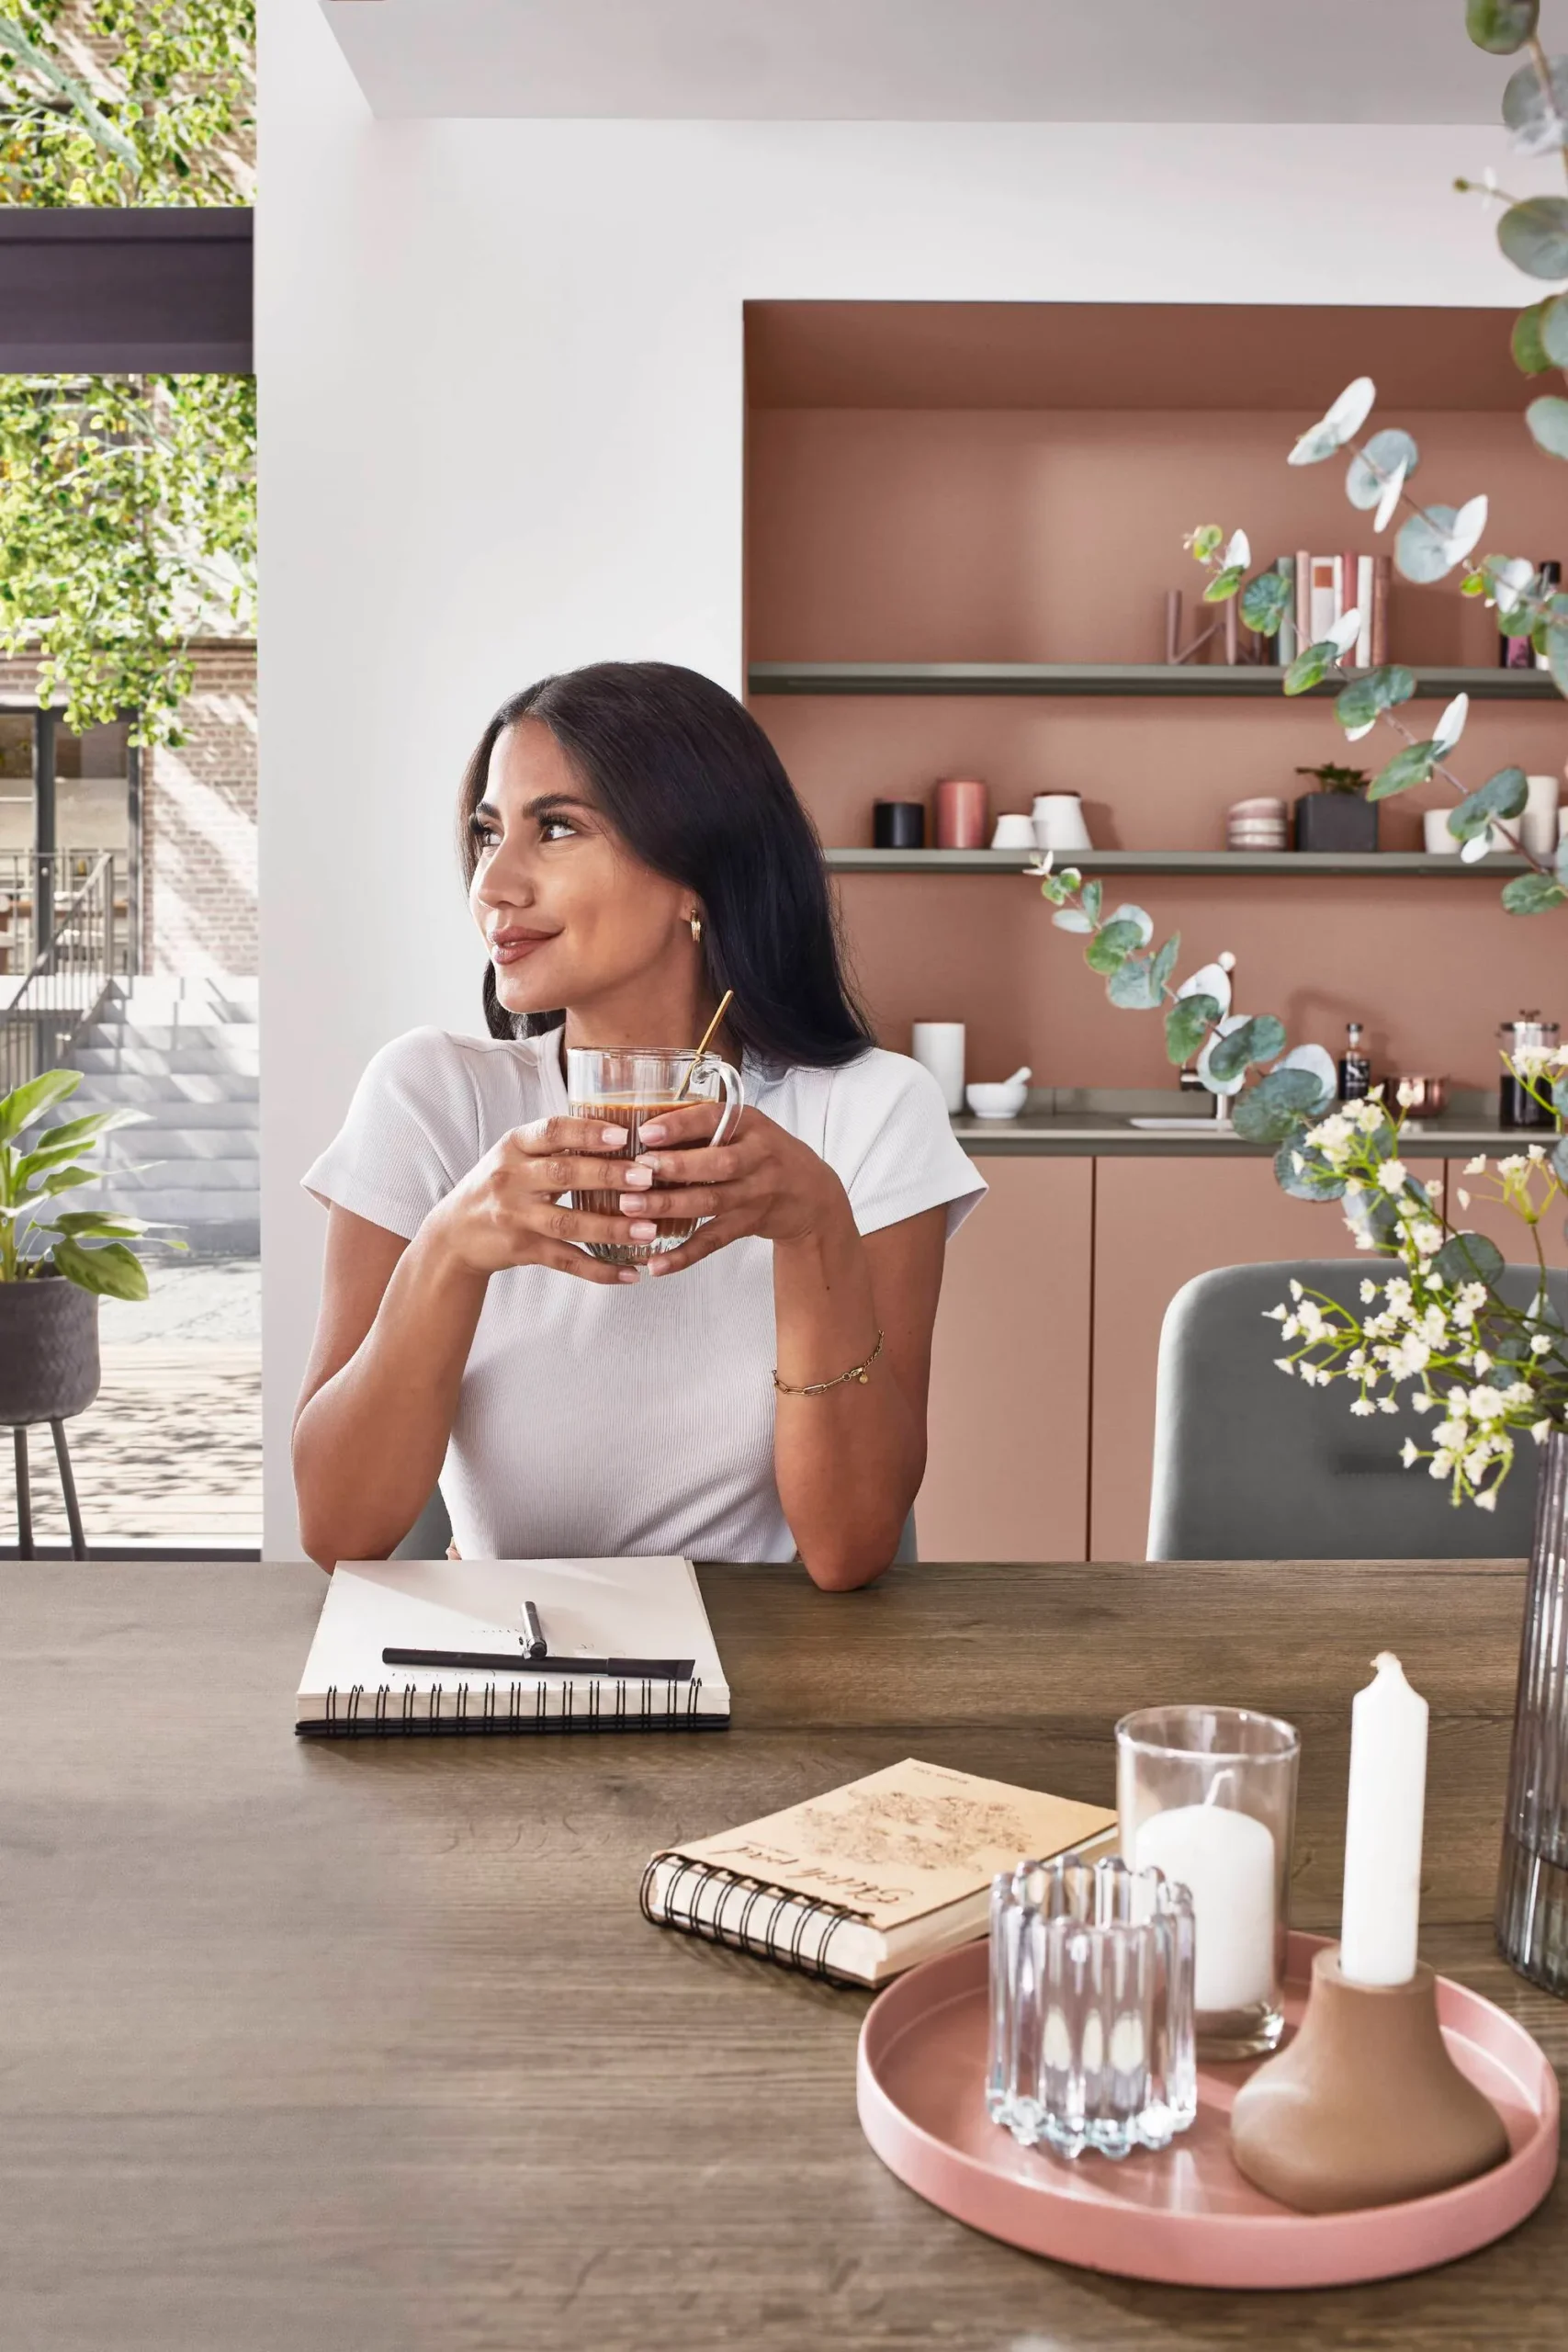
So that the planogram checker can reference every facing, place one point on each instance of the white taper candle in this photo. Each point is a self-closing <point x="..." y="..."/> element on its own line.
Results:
<point x="1383" y="1829"/>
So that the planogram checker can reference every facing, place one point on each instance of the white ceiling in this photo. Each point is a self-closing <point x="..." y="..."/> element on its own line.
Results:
<point x="910" y="61"/>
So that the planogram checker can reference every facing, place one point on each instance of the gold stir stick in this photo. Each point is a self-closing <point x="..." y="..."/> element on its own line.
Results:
<point x="726" y="1001"/>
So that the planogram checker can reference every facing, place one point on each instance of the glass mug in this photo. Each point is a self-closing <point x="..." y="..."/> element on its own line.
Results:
<point x="627" y="1086"/>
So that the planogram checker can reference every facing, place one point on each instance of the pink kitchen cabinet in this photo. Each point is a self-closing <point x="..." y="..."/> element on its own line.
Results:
<point x="1158" y="1222"/>
<point x="1007" y="1476"/>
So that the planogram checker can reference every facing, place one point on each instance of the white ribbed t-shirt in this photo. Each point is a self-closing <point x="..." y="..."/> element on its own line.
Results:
<point x="599" y="1421"/>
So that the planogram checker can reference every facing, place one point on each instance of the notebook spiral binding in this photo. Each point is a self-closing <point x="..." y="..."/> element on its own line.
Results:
<point x="757" y="1930"/>
<point x="359" y="1713"/>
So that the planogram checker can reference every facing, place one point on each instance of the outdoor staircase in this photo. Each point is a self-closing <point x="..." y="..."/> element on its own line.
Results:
<point x="184" y="1052"/>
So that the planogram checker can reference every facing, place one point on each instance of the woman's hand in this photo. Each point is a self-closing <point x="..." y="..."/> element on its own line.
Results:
<point x="507" y="1210"/>
<point x="761" y="1180"/>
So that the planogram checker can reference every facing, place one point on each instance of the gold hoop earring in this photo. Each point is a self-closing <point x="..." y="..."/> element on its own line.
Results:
<point x="696" y="923"/>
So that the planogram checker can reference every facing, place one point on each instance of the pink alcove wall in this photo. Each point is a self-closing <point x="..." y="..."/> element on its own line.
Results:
<point x="1051" y="535"/>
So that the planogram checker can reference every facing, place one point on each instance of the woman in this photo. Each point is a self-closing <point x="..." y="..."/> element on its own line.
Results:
<point x="634" y="848"/>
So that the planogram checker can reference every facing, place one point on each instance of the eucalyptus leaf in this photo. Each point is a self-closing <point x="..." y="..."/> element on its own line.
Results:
<point x="1430" y="543"/>
<point x="1501" y="26"/>
<point x="25" y="1104"/>
<point x="1127" y="912"/>
<point x="1207" y="541"/>
<point x="1532" y="894"/>
<point x="1558" y="1164"/>
<point x="1534" y="236"/>
<point x="1093" y="896"/>
<point x="1370" y="467"/>
<point x="1258" y="1040"/>
<point x="1187" y="1024"/>
<point x="1411" y="766"/>
<point x="1223" y="585"/>
<point x="1111" y="945"/>
<point x="1264" y="601"/>
<point x="1468" y="1258"/>
<point x="1164" y="964"/>
<point x="1548" y="420"/>
<point x="1301" y="1169"/>
<point x="1502" y="794"/>
<point x="1072" y="919"/>
<point x="1534" y="108"/>
<point x="1553" y="329"/>
<point x="1311" y="666"/>
<point x="1368" y="697"/>
<point x="1374" y="1215"/>
<point x="1278" y="1105"/>
<point x="1131" y="987"/>
<point x="1528" y="341"/>
<point x="112" y="1270"/>
<point x="1556" y="650"/>
<point x="1343" y="422"/>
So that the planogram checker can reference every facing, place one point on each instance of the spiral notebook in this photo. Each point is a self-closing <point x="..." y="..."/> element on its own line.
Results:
<point x="442" y="1646"/>
<point x="860" y="1883"/>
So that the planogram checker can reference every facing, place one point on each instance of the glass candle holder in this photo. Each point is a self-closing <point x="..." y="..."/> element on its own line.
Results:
<point x="1208" y="1796"/>
<point x="1091" y="2041"/>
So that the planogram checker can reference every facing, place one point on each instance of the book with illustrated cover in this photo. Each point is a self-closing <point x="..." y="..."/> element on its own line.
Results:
<point x="862" y="1882"/>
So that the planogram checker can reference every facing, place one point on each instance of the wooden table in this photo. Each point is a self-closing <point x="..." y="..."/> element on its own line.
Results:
<point x="366" y="2045"/>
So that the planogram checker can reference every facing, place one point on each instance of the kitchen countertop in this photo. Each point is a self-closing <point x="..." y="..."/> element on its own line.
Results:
<point x="1091" y="1122"/>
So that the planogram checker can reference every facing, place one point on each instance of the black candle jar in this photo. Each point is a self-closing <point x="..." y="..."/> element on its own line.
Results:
<point x="898" y="824"/>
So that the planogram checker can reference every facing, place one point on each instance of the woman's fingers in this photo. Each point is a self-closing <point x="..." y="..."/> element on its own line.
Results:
<point x="561" y="1134"/>
<point x="563" y="1261"/>
<point x="712" y="1236"/>
<point x="700" y="1201"/>
<point x="692" y="1123"/>
<point x="719" y="1164"/>
<point x="556" y="1174"/>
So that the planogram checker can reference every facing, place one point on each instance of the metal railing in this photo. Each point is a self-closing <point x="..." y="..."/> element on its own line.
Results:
<point x="77" y="926"/>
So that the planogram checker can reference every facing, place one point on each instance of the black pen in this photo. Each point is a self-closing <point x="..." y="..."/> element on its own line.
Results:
<point x="534" y="1642"/>
<point x="626" y="1669"/>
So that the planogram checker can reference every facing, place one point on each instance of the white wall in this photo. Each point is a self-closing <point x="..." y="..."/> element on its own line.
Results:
<point x="500" y="377"/>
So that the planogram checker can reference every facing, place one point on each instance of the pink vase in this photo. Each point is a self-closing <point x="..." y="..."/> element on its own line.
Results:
<point x="963" y="813"/>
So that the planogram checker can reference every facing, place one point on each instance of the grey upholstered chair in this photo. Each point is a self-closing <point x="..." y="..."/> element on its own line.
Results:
<point x="1249" y="1465"/>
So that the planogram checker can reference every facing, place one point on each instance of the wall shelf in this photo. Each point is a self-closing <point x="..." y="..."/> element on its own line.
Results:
<point x="1180" y="681"/>
<point x="1384" y="863"/>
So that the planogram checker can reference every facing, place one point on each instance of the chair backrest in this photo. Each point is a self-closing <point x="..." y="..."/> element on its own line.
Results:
<point x="1251" y="1465"/>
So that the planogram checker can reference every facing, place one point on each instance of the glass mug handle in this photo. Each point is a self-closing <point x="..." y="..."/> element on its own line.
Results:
<point x="733" y="1088"/>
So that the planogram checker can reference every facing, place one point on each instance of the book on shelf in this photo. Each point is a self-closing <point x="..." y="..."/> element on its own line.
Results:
<point x="1286" y="647"/>
<point x="862" y="1882"/>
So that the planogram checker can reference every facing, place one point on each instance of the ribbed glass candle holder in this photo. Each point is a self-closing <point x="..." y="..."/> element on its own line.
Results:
<point x="1532" y="1886"/>
<point x="1091" y="2043"/>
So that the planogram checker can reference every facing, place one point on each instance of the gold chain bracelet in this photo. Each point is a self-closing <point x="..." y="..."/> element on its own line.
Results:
<point x="861" y="1372"/>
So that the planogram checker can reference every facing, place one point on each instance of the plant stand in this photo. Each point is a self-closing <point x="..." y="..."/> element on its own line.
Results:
<point x="24" y="1497"/>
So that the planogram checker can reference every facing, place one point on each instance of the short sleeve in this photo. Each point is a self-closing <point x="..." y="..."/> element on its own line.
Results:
<point x="413" y="1130"/>
<point x="889" y="1140"/>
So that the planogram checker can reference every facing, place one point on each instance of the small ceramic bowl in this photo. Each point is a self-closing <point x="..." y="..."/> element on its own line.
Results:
<point x="1013" y="832"/>
<point x="1003" y="1102"/>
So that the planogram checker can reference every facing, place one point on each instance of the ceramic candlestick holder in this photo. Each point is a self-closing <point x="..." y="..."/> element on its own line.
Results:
<point x="1364" y="2106"/>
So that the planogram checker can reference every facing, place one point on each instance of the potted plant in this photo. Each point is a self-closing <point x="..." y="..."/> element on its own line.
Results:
<point x="56" y="1263"/>
<point x="1338" y="816"/>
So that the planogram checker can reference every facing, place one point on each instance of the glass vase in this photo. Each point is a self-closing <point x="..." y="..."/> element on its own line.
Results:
<point x="1532" y="1885"/>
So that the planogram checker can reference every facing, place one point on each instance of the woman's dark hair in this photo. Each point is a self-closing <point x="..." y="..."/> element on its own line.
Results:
<point x="694" y="786"/>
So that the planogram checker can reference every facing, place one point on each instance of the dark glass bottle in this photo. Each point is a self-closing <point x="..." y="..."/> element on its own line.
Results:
<point x="1516" y="1108"/>
<point x="1355" y="1067"/>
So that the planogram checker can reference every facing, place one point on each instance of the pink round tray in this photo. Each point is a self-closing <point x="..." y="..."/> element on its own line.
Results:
<point x="1185" y="2215"/>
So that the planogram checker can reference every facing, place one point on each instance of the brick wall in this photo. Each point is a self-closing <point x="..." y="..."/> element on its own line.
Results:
<point x="199" y="819"/>
<point x="199" y="825"/>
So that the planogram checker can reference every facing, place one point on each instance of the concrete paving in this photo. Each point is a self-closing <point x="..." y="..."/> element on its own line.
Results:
<point x="170" y="1453"/>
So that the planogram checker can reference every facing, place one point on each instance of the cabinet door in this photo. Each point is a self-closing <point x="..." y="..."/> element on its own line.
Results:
<point x="1007" y="1473"/>
<point x="1158" y="1222"/>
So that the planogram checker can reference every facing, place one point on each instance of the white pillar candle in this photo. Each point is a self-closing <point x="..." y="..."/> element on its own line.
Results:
<point x="939" y="1045"/>
<point x="1227" y="1859"/>
<point x="1383" y="1829"/>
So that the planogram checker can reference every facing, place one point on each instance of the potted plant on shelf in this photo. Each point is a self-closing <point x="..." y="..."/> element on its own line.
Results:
<point x="56" y="1263"/>
<point x="1338" y="816"/>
